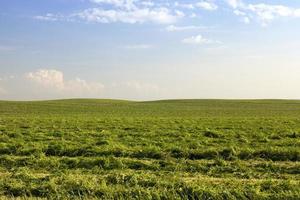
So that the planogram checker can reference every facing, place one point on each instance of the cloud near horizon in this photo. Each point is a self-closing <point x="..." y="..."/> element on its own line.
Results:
<point x="54" y="80"/>
<point x="2" y="91"/>
<point x="52" y="84"/>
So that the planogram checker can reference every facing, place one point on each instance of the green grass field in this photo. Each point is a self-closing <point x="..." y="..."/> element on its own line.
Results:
<point x="176" y="149"/>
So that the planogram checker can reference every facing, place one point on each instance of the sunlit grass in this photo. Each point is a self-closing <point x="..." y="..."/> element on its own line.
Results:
<point x="175" y="149"/>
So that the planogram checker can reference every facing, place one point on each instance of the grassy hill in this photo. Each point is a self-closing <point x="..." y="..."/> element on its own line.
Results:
<point x="169" y="149"/>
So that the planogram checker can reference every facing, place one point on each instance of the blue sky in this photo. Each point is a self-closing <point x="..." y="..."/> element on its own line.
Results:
<point x="149" y="49"/>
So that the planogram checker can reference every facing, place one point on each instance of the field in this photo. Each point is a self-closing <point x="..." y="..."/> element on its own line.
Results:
<point x="175" y="149"/>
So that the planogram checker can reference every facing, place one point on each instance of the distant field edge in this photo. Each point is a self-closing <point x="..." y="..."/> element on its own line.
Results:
<point x="95" y="100"/>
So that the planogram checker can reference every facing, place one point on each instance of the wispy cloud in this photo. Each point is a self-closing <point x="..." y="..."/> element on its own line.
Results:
<point x="235" y="3"/>
<point x="207" y="5"/>
<point x="128" y="4"/>
<point x="123" y="11"/>
<point x="160" y="15"/>
<point x="184" y="5"/>
<point x="48" y="17"/>
<point x="173" y="28"/>
<point x="264" y="13"/>
<point x="199" y="40"/>
<point x="165" y="12"/>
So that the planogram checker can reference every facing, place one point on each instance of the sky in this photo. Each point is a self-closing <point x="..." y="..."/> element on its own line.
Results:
<point x="149" y="49"/>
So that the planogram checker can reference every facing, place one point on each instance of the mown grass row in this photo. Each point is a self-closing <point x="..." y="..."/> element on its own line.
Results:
<point x="214" y="168"/>
<point x="230" y="153"/>
<point x="132" y="185"/>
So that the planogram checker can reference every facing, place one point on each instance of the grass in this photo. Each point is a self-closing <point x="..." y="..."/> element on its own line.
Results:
<point x="171" y="149"/>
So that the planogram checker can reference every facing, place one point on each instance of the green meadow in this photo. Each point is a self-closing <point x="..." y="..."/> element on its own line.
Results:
<point x="171" y="149"/>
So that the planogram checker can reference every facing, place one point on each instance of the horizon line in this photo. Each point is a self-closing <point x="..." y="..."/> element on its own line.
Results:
<point x="151" y="100"/>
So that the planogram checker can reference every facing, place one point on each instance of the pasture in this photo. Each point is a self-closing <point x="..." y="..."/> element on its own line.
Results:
<point x="172" y="149"/>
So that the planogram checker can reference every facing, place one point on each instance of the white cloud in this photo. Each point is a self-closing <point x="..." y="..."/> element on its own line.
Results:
<point x="192" y="15"/>
<point x="127" y="4"/>
<point x="47" y="78"/>
<point x="164" y="12"/>
<point x="264" y="13"/>
<point x="52" y="84"/>
<point x="148" y="3"/>
<point x="173" y="28"/>
<point x="198" y="40"/>
<point x="239" y="13"/>
<point x="157" y="15"/>
<point x="186" y="6"/>
<point x="48" y="17"/>
<point x="246" y="20"/>
<point x="53" y="80"/>
<point x="207" y="5"/>
<point x="179" y="13"/>
<point x="243" y="15"/>
<point x="124" y="11"/>
<point x="235" y="3"/>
